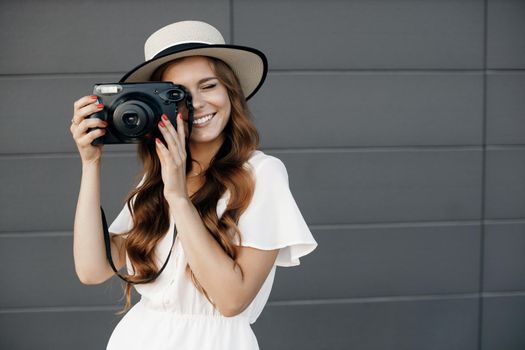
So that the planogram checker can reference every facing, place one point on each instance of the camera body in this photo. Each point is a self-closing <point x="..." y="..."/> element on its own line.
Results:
<point x="133" y="110"/>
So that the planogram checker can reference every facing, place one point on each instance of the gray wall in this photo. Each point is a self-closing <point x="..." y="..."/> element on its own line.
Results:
<point x="402" y="127"/>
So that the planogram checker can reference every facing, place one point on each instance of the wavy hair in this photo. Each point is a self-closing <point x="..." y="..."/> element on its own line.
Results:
<point x="226" y="171"/>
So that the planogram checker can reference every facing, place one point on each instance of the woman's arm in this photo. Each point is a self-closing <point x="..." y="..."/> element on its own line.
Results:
<point x="89" y="251"/>
<point x="231" y="289"/>
<point x="88" y="243"/>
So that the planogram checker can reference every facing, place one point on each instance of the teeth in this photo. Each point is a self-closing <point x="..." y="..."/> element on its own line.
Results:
<point x="203" y="119"/>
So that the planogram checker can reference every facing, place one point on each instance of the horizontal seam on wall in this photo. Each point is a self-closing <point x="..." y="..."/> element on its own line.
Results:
<point x="286" y="71"/>
<point x="404" y="298"/>
<point x="380" y="299"/>
<point x="371" y="225"/>
<point x="59" y="309"/>
<point x="436" y="148"/>
<point x="503" y="294"/>
<point x="313" y="302"/>
<point x="292" y="150"/>
<point x="269" y="150"/>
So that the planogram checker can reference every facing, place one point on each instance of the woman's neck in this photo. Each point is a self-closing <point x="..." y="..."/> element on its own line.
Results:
<point x="204" y="152"/>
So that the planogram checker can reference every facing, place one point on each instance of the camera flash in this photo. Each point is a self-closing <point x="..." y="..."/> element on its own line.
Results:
<point x="108" y="89"/>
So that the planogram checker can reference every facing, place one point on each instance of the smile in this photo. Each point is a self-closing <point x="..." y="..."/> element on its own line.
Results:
<point x="203" y="120"/>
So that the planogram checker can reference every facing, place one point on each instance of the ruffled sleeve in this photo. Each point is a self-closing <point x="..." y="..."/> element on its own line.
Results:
<point x="272" y="219"/>
<point x="122" y="223"/>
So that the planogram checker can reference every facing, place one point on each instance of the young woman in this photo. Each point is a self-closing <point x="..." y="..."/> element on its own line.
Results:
<point x="235" y="217"/>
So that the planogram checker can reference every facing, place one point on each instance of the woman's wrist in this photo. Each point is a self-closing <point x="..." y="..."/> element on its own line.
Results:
<point x="93" y="164"/>
<point x="179" y="206"/>
<point x="178" y="202"/>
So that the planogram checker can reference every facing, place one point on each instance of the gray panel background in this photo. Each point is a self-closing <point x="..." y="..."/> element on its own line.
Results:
<point x="401" y="124"/>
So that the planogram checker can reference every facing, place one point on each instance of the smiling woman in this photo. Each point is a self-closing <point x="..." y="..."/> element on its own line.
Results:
<point x="236" y="218"/>
<point x="210" y="99"/>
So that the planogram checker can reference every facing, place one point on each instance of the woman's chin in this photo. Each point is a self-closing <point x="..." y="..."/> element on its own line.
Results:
<point x="204" y="138"/>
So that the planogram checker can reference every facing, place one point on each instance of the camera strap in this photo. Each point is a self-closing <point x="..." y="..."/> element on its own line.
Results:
<point x="110" y="259"/>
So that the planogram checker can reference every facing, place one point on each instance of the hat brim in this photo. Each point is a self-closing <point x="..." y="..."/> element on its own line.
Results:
<point x="249" y="65"/>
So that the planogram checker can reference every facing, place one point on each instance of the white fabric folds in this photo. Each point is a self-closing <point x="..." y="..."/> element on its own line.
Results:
<point x="122" y="223"/>
<point x="273" y="220"/>
<point x="173" y="314"/>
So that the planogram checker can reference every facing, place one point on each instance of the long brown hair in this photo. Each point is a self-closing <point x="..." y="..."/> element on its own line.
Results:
<point x="226" y="171"/>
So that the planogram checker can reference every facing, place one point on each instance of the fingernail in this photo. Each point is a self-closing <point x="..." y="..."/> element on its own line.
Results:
<point x="93" y="97"/>
<point x="157" y="140"/>
<point x="179" y="115"/>
<point x="164" y="116"/>
<point x="162" y="124"/>
<point x="100" y="105"/>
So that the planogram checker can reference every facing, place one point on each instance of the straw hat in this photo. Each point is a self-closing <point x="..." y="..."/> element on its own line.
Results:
<point x="192" y="38"/>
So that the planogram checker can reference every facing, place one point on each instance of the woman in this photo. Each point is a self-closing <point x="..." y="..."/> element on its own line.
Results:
<point x="235" y="217"/>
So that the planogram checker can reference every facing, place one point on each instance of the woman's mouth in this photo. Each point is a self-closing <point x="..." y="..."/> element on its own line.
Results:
<point x="203" y="121"/>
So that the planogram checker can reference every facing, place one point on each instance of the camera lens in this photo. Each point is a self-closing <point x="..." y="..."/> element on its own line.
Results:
<point x="131" y="118"/>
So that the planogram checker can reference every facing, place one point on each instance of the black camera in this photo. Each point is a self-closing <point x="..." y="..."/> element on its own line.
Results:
<point x="133" y="110"/>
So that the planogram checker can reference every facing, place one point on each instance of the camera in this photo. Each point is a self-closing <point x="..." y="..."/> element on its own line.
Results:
<point x="133" y="110"/>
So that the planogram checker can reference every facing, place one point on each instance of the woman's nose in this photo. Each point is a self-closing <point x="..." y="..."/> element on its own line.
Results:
<point x="197" y="100"/>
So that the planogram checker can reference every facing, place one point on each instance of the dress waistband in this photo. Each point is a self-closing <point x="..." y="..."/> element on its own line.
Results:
<point x="156" y="306"/>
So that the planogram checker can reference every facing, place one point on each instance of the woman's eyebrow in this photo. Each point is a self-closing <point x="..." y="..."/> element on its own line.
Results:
<point x="203" y="80"/>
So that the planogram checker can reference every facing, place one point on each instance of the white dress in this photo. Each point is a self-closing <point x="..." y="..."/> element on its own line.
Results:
<point x="172" y="314"/>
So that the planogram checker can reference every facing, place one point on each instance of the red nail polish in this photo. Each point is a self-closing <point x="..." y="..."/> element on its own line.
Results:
<point x="164" y="116"/>
<point x="100" y="105"/>
<point x="179" y="115"/>
<point x="157" y="140"/>
<point x="162" y="124"/>
<point x="93" y="97"/>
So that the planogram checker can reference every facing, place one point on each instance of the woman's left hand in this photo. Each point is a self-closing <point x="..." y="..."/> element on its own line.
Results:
<point x="173" y="159"/>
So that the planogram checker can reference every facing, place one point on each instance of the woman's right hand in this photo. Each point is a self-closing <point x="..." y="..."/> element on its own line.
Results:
<point x="82" y="109"/>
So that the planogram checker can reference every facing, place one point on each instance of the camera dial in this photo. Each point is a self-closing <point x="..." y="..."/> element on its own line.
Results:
<point x="173" y="95"/>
